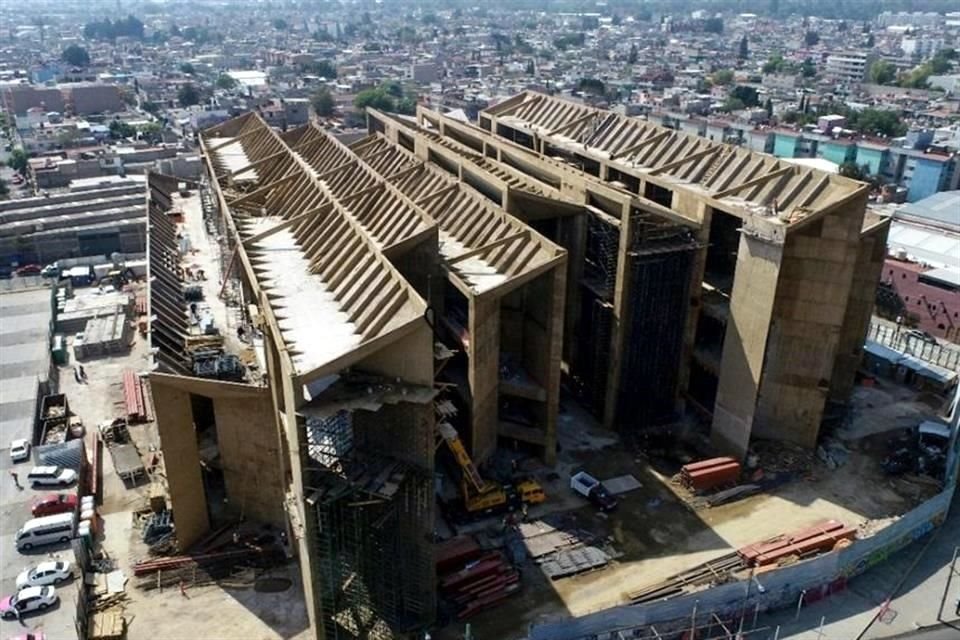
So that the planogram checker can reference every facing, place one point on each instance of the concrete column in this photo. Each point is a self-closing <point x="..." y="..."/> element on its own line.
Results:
<point x="555" y="334"/>
<point x="178" y="438"/>
<point x="705" y="215"/>
<point x="484" y="375"/>
<point x="744" y="347"/>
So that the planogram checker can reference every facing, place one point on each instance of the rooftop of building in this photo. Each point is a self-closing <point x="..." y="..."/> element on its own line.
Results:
<point x="732" y="177"/>
<point x="941" y="210"/>
<point x="330" y="287"/>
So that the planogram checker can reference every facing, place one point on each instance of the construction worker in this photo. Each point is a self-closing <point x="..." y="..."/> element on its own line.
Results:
<point x="16" y="479"/>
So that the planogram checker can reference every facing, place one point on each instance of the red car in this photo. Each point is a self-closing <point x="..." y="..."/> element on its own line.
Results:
<point x="29" y="270"/>
<point x="54" y="503"/>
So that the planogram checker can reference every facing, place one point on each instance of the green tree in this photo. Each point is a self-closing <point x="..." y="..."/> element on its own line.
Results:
<point x="746" y="95"/>
<point x="808" y="68"/>
<point x="376" y="98"/>
<point x="150" y="107"/>
<point x="407" y="106"/>
<point x="853" y="170"/>
<point x="323" y="103"/>
<point x="882" y="72"/>
<point x="632" y="58"/>
<point x="531" y="69"/>
<point x="120" y="130"/>
<point x="279" y="24"/>
<point x="769" y="107"/>
<point x="774" y="64"/>
<point x="811" y="38"/>
<point x="592" y="86"/>
<point x="151" y="132"/>
<point x="76" y="56"/>
<point x="744" y="51"/>
<point x="871" y="41"/>
<point x="4" y="190"/>
<point x="732" y="104"/>
<point x="187" y="68"/>
<point x="722" y="77"/>
<point x="713" y="25"/>
<point x="226" y="82"/>
<point x="18" y="161"/>
<point x="188" y="95"/>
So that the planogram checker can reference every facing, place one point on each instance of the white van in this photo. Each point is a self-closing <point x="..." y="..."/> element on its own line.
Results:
<point x="50" y="475"/>
<point x="45" y="530"/>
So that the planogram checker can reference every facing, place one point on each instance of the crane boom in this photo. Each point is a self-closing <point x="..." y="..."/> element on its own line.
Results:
<point x="452" y="438"/>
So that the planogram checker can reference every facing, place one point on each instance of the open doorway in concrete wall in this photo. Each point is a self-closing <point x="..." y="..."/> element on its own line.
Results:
<point x="211" y="464"/>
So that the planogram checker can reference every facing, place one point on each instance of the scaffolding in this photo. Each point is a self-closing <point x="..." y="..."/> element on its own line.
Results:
<point x="371" y="495"/>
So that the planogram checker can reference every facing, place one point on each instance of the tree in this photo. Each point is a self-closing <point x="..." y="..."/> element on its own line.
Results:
<point x="592" y="86"/>
<point x="321" y="68"/>
<point x="811" y="38"/>
<point x="722" y="77"/>
<point x="774" y="64"/>
<point x="188" y="95"/>
<point x="882" y="72"/>
<point x="120" y="130"/>
<point x="744" y="52"/>
<point x="76" y="56"/>
<point x="18" y="161"/>
<point x="747" y="95"/>
<point x="769" y="107"/>
<point x="323" y="102"/>
<point x="855" y="171"/>
<point x="732" y="104"/>
<point x="808" y="68"/>
<point x="376" y="98"/>
<point x="187" y="69"/>
<point x="279" y="24"/>
<point x="4" y="190"/>
<point x="871" y="41"/>
<point x="226" y="82"/>
<point x="152" y="132"/>
<point x="632" y="58"/>
<point x="150" y="107"/>
<point x="531" y="69"/>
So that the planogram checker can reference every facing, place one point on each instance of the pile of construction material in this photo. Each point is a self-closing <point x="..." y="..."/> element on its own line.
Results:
<point x="203" y="568"/>
<point x="133" y="397"/>
<point x="786" y="548"/>
<point x="471" y="579"/>
<point x="104" y="335"/>
<point x="710" y="573"/>
<point x="714" y="473"/>
<point x="560" y="548"/>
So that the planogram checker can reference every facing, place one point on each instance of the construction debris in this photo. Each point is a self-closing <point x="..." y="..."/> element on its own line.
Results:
<point x="713" y="572"/>
<point x="480" y="584"/>
<point x="133" y="397"/>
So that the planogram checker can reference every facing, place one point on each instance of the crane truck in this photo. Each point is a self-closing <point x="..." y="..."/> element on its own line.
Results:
<point x="481" y="496"/>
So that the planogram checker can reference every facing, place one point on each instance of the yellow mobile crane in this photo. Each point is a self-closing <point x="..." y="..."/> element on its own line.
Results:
<point x="480" y="495"/>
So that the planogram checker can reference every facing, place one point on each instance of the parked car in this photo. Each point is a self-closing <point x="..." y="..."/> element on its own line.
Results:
<point x="38" y="532"/>
<point x="50" y="475"/>
<point x="593" y="490"/>
<point x="28" y="270"/>
<point x="922" y="336"/>
<point x="27" y="600"/>
<point x="45" y="573"/>
<point x="20" y="450"/>
<point x="54" y="503"/>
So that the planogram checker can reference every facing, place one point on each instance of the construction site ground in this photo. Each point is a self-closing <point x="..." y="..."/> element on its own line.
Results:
<point x="660" y="533"/>
<point x="241" y="612"/>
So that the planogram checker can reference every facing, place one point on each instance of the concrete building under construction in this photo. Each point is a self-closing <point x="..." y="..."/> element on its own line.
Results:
<point x="439" y="271"/>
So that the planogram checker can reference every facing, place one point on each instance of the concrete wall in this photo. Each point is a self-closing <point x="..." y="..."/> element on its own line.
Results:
<point x="249" y="445"/>
<point x="816" y="278"/>
<point x="484" y="375"/>
<point x="178" y="438"/>
<point x="871" y="252"/>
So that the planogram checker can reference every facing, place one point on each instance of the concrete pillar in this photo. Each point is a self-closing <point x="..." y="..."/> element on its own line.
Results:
<point x="620" y="320"/>
<point x="744" y="347"/>
<point x="178" y="438"/>
<point x="484" y="375"/>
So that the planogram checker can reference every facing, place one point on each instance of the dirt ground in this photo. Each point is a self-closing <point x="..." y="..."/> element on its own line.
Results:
<point x="659" y="534"/>
<point x="241" y="612"/>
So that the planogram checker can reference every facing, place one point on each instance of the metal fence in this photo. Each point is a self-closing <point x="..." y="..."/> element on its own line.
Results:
<point x="946" y="356"/>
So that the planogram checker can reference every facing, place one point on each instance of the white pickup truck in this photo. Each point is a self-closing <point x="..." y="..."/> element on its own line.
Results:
<point x="593" y="490"/>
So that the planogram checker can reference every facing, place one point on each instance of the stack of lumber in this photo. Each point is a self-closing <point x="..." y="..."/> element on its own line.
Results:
<point x="818" y="538"/>
<point x="107" y="625"/>
<point x="709" y="474"/>
<point x="713" y="572"/>
<point x="136" y="407"/>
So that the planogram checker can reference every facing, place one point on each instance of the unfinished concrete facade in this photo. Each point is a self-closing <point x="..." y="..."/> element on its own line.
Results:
<point x="376" y="283"/>
<point x="701" y="275"/>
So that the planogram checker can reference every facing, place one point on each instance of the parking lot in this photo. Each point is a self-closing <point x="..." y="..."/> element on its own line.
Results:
<point x="58" y="621"/>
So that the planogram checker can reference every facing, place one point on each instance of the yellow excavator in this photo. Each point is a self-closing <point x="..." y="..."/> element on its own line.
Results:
<point x="481" y="496"/>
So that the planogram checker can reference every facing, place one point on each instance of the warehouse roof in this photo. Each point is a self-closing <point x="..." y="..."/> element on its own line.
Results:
<point x="940" y="209"/>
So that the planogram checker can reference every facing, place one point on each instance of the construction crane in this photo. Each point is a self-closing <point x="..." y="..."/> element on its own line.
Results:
<point x="480" y="495"/>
